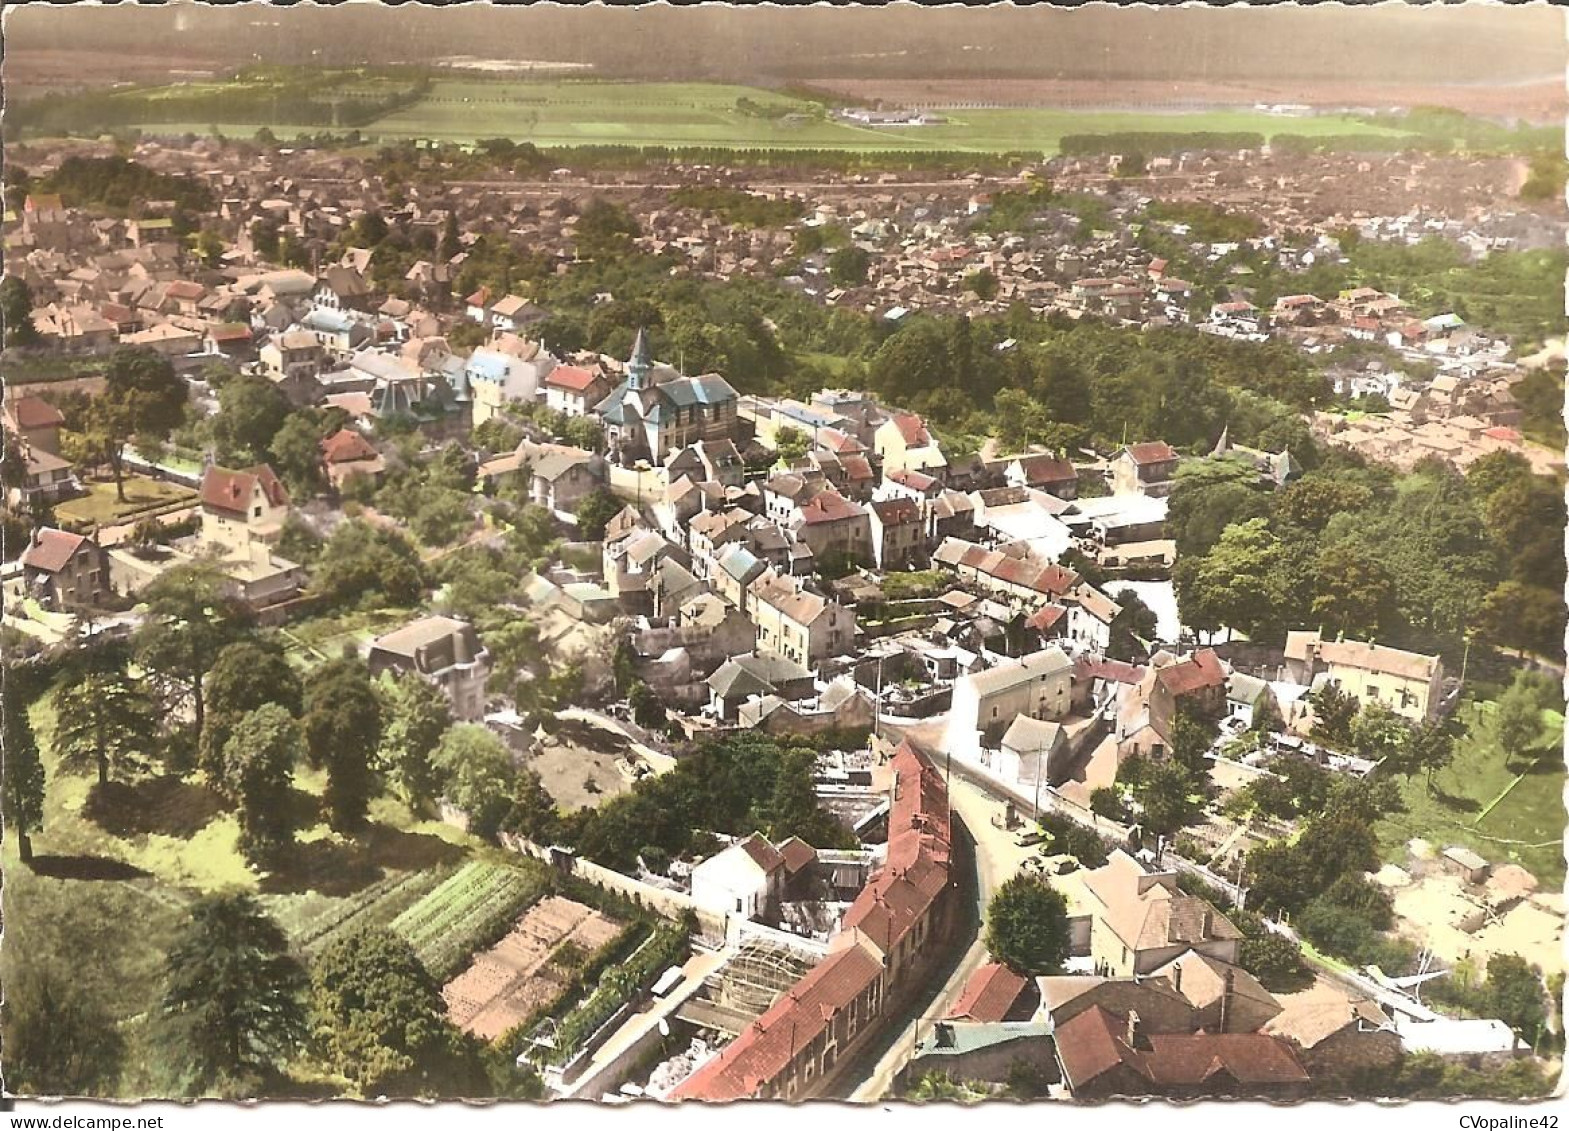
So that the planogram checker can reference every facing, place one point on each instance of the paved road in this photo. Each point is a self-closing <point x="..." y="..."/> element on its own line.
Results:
<point x="997" y="858"/>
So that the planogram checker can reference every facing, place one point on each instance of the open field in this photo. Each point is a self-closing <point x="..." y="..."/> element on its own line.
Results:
<point x="143" y="496"/>
<point x="1543" y="102"/>
<point x="554" y="114"/>
<point x="671" y="114"/>
<point x="1526" y="827"/>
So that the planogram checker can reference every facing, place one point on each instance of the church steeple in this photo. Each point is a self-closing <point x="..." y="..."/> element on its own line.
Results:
<point x="640" y="362"/>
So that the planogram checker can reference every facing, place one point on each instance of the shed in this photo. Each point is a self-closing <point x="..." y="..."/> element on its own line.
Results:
<point x="1467" y="864"/>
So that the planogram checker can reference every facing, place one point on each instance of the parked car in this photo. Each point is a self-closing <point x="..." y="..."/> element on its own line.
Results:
<point x="1029" y="838"/>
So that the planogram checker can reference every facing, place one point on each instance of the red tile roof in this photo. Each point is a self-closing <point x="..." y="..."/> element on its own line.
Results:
<point x="34" y="412"/>
<point x="829" y="506"/>
<point x="231" y="491"/>
<point x="916" y="868"/>
<point x="896" y="512"/>
<point x="833" y="440"/>
<point x="1095" y="1042"/>
<point x="346" y="446"/>
<point x="914" y="874"/>
<point x="763" y="854"/>
<point x="1043" y="469"/>
<point x="797" y="854"/>
<point x="989" y="994"/>
<point x="913" y="429"/>
<point x="857" y="468"/>
<point x="1197" y="672"/>
<point x="181" y="288"/>
<point x="1100" y="667"/>
<point x="572" y="377"/>
<point x="762" y="1053"/>
<point x="51" y="549"/>
<point x="1154" y="451"/>
<point x="1045" y="617"/>
<point x="915" y="480"/>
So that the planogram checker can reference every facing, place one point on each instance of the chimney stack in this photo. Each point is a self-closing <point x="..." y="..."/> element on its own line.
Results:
<point x="1135" y="1029"/>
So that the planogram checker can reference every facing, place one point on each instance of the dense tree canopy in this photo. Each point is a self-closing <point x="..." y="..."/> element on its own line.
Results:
<point x="234" y="996"/>
<point x="1027" y="926"/>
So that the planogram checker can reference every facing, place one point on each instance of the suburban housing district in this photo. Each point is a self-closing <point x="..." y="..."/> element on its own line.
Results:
<point x="1058" y="628"/>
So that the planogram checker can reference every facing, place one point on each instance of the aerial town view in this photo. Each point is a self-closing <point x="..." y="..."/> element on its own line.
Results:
<point x="736" y="553"/>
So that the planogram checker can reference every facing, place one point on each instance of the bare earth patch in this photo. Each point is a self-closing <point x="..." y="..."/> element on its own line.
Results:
<point x="508" y="982"/>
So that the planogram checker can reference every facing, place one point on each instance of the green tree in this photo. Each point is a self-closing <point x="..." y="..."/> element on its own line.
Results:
<point x="791" y="444"/>
<point x="1354" y="590"/>
<point x="295" y="448"/>
<point x="342" y="726"/>
<point x="234" y="997"/>
<point x="1516" y="996"/>
<point x="362" y="562"/>
<point x="1430" y="747"/>
<point x="23" y="780"/>
<point x="594" y="511"/>
<point x="1333" y="713"/>
<point x="105" y="720"/>
<point x="1517" y="719"/>
<point x="848" y="266"/>
<point x="1275" y="961"/>
<point x="533" y="814"/>
<point x="60" y="1039"/>
<point x="258" y="764"/>
<point x="16" y="311"/>
<point x="191" y="617"/>
<point x="1530" y="618"/>
<point x="417" y="715"/>
<point x="1211" y="494"/>
<point x="1027" y="926"/>
<point x="246" y="675"/>
<point x="1378" y="734"/>
<point x="141" y="396"/>
<point x="1237" y="583"/>
<point x="605" y="231"/>
<point x="1313" y="500"/>
<point x="378" y="1019"/>
<point x="983" y="284"/>
<point x="648" y="709"/>
<point x="1169" y="796"/>
<point x="209" y="247"/>
<point x="480" y="776"/>
<point x="1287" y="876"/>
<point x="1131" y="630"/>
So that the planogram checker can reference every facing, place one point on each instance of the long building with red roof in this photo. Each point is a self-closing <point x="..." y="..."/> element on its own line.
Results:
<point x="887" y="940"/>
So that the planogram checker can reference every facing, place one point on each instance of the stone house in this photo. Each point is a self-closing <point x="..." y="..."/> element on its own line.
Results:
<point x="70" y="570"/>
<point x="444" y="651"/>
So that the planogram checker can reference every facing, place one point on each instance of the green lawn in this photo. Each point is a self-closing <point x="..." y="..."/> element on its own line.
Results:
<point x="556" y="114"/>
<point x="1525" y="827"/>
<point x="114" y="870"/>
<point x="101" y="506"/>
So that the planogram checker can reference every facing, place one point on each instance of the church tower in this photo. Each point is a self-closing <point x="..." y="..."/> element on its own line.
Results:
<point x="640" y="363"/>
